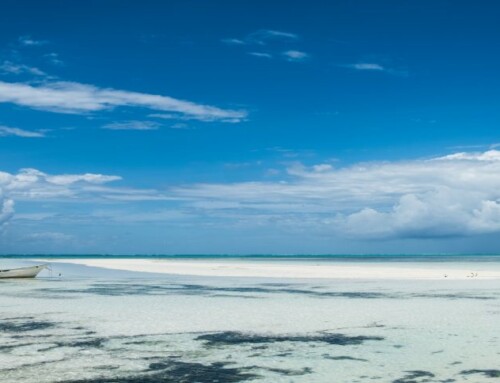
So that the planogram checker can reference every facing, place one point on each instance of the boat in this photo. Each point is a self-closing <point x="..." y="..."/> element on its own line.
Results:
<point x="22" y="272"/>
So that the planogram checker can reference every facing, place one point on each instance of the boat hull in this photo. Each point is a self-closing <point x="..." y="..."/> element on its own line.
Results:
<point x="22" y="272"/>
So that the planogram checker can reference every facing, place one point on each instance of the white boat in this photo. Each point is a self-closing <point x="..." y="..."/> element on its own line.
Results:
<point x="22" y="272"/>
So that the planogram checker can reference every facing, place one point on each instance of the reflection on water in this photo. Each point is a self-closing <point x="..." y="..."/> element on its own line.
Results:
<point x="124" y="327"/>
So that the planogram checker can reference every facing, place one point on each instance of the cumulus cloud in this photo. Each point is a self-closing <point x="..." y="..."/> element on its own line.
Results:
<point x="72" y="97"/>
<point x="6" y="209"/>
<point x="8" y="131"/>
<point x="32" y="184"/>
<point x="455" y="195"/>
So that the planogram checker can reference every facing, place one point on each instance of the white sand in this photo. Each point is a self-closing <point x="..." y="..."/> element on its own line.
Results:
<point x="300" y="269"/>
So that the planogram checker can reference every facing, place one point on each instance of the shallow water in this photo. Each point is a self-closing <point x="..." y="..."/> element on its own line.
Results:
<point x="94" y="325"/>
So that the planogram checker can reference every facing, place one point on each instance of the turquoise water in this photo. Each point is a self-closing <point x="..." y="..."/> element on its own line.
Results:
<point x="94" y="325"/>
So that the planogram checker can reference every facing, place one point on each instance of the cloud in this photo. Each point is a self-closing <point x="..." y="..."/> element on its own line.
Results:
<point x="71" y="97"/>
<point x="12" y="68"/>
<point x="6" y="209"/>
<point x="180" y="125"/>
<point x="28" y="41"/>
<point x="367" y="66"/>
<point x="54" y="59"/>
<point x="374" y="67"/>
<point x="178" y="116"/>
<point x="451" y="196"/>
<point x="266" y="36"/>
<point x="7" y="131"/>
<point x="295" y="55"/>
<point x="32" y="184"/>
<point x="261" y="54"/>
<point x="262" y="37"/>
<point x="233" y="41"/>
<point x="455" y="195"/>
<point x="132" y="125"/>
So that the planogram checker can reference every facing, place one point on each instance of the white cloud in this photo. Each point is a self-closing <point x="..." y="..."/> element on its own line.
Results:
<point x="54" y="59"/>
<point x="132" y="125"/>
<point x="448" y="196"/>
<point x="8" y="131"/>
<point x="233" y="41"/>
<point x="28" y="41"/>
<point x="367" y="66"/>
<point x="374" y="67"/>
<point x="68" y="179"/>
<point x="262" y="37"/>
<point x="71" y="97"/>
<point x="32" y="184"/>
<point x="177" y="116"/>
<point x="6" y="209"/>
<point x="456" y="195"/>
<point x="13" y="68"/>
<point x="295" y="55"/>
<point x="261" y="54"/>
<point x="180" y="125"/>
<point x="490" y="155"/>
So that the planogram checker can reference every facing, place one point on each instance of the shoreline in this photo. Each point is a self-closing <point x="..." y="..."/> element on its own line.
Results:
<point x="295" y="270"/>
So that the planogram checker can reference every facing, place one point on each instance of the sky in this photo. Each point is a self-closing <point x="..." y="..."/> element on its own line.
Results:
<point x="249" y="127"/>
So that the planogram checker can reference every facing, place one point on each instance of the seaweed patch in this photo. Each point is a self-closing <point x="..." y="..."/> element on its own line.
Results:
<point x="25" y="326"/>
<point x="228" y="338"/>
<point x="488" y="373"/>
<point x="172" y="371"/>
<point x="415" y="376"/>
<point x="344" y="357"/>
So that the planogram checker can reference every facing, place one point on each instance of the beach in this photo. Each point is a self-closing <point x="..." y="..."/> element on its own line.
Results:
<point x="297" y="269"/>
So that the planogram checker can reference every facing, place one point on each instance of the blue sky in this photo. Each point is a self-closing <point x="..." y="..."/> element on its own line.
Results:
<point x="249" y="127"/>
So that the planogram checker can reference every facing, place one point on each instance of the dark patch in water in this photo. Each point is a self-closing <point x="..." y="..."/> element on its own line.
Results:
<point x="416" y="376"/>
<point x="283" y="354"/>
<point x="24" y="326"/>
<point x="171" y="371"/>
<point x="228" y="338"/>
<point x="81" y="343"/>
<point x="344" y="357"/>
<point x="286" y="372"/>
<point x="487" y="373"/>
<point x="123" y="289"/>
<point x="454" y="296"/>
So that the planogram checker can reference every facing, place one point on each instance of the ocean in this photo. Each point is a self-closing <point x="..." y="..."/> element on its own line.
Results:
<point x="96" y="325"/>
